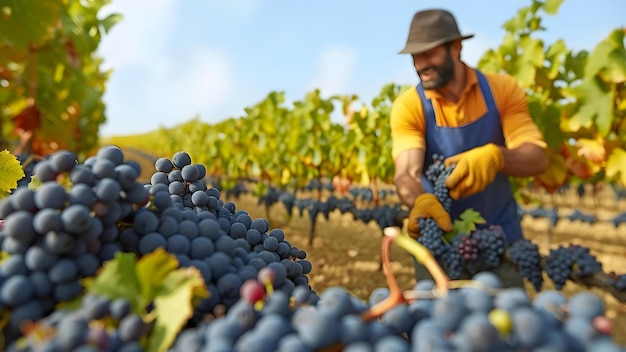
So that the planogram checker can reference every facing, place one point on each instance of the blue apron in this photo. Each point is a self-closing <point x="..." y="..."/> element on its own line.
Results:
<point x="496" y="203"/>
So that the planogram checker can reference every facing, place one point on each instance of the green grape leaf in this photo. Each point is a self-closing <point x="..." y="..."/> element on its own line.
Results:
<point x="596" y="103"/>
<point x="465" y="224"/>
<point x="173" y="306"/>
<point x="551" y="7"/>
<point x="556" y="55"/>
<point x="152" y="270"/>
<point x="609" y="58"/>
<point x="472" y="216"/>
<point x="118" y="279"/>
<point x="616" y="165"/>
<point x="11" y="173"/>
<point x="26" y="23"/>
<point x="110" y="21"/>
<point x="518" y="22"/>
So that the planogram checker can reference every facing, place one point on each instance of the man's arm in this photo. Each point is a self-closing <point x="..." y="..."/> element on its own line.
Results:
<point x="408" y="169"/>
<point x="526" y="160"/>
<point x="525" y="155"/>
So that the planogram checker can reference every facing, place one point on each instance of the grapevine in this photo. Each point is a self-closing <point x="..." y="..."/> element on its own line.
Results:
<point x="250" y="284"/>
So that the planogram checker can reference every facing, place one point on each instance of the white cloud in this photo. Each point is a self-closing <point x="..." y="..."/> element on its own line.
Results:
<point x="198" y="85"/>
<point x="138" y="37"/>
<point x="334" y="71"/>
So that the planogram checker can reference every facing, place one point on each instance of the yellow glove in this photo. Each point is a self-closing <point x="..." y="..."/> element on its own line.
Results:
<point x="475" y="169"/>
<point x="427" y="206"/>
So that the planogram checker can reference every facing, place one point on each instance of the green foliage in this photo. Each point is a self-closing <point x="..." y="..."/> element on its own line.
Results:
<point x="580" y="93"/>
<point x="576" y="98"/>
<point x="466" y="224"/>
<point x="154" y="278"/>
<point x="48" y="61"/>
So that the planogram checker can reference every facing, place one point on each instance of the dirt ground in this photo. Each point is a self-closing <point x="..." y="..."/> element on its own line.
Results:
<point x="346" y="252"/>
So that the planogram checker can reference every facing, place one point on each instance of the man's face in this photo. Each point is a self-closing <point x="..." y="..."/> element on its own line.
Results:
<point x="434" y="67"/>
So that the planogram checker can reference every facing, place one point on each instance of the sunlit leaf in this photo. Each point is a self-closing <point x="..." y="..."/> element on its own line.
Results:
<point x="118" y="279"/>
<point x="596" y="105"/>
<point x="152" y="269"/>
<point x="551" y="7"/>
<point x="556" y="57"/>
<point x="516" y="23"/>
<point x="556" y="174"/>
<point x="174" y="307"/>
<point x="108" y="22"/>
<point x="592" y="150"/>
<point x="11" y="172"/>
<point x="30" y="22"/>
<point x="616" y="165"/>
<point x="609" y="58"/>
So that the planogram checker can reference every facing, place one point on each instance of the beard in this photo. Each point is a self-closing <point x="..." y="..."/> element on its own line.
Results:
<point x="445" y="72"/>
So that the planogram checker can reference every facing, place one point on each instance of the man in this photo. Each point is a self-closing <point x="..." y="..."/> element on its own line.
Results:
<point x="480" y="122"/>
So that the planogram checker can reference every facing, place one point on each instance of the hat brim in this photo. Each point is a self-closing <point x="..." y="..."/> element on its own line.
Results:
<point x="420" y="47"/>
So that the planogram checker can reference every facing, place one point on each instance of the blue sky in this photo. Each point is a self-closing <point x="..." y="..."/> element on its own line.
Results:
<point x="173" y="60"/>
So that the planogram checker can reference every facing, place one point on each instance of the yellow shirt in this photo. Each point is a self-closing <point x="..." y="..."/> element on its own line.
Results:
<point x="407" y="115"/>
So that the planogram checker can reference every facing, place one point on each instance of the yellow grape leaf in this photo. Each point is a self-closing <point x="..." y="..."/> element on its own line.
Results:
<point x="616" y="165"/>
<point x="173" y="306"/>
<point x="11" y="172"/>
<point x="592" y="150"/>
<point x="118" y="279"/>
<point x="152" y="269"/>
<point x="556" y="174"/>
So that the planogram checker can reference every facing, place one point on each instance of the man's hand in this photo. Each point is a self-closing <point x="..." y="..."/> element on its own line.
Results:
<point x="474" y="170"/>
<point x="427" y="206"/>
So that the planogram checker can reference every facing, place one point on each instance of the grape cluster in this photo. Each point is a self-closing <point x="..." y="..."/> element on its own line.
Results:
<point x="62" y="231"/>
<point x="453" y="259"/>
<point x="83" y="214"/>
<point x="525" y="256"/>
<point x="578" y="215"/>
<point x="468" y="248"/>
<point x="481" y="250"/>
<point x="479" y="317"/>
<point x="437" y="173"/>
<point x="430" y="233"/>
<point x="97" y="324"/>
<point x="431" y="236"/>
<point x="491" y="243"/>
<point x="573" y="260"/>
<point x="191" y="220"/>
<point x="617" y="281"/>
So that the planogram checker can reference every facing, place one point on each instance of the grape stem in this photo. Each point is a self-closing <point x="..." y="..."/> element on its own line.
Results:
<point x="395" y="296"/>
<point x="422" y="255"/>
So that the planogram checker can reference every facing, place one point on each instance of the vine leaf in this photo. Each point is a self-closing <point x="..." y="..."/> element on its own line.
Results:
<point x="173" y="306"/>
<point x="551" y="7"/>
<point x="609" y="58"/>
<point x="117" y="279"/>
<point x="465" y="224"/>
<point x="616" y="165"/>
<point x="154" y="278"/>
<point x="556" y="174"/>
<point x="11" y="173"/>
<point x="592" y="150"/>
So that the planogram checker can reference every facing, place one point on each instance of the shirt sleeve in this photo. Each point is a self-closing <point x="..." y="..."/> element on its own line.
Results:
<point x="407" y="123"/>
<point x="518" y="126"/>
